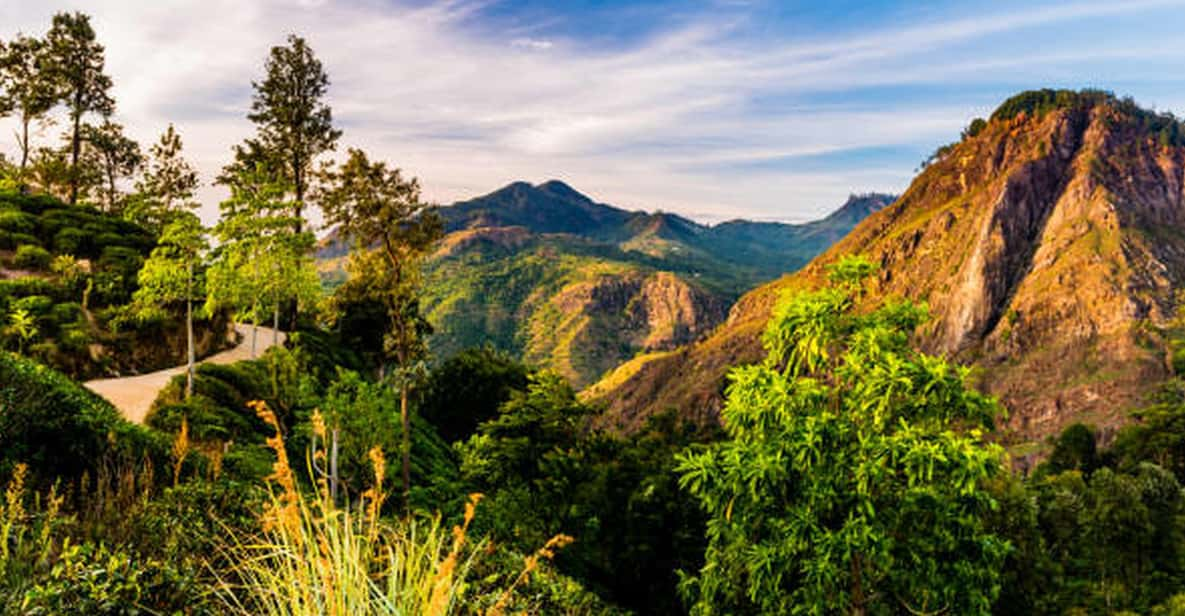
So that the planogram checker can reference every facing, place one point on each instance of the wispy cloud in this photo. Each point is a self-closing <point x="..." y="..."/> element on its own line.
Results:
<point x="706" y="114"/>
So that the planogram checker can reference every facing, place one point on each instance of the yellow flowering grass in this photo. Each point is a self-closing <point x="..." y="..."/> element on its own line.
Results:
<point x="315" y="556"/>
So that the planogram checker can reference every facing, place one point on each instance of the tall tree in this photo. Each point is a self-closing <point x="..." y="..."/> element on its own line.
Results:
<point x="170" y="276"/>
<point x="76" y="62"/>
<point x="261" y="263"/>
<point x="30" y="88"/>
<point x="295" y="124"/>
<point x="853" y="478"/>
<point x="6" y="102"/>
<point x="116" y="155"/>
<point x="167" y="186"/>
<point x="392" y="229"/>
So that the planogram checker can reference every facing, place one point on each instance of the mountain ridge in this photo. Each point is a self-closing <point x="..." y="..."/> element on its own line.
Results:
<point x="1049" y="244"/>
<point x="563" y="282"/>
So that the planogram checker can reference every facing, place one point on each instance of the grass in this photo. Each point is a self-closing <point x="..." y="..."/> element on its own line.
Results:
<point x="316" y="556"/>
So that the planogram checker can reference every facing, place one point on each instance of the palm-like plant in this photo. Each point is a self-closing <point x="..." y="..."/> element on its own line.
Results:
<point x="23" y="326"/>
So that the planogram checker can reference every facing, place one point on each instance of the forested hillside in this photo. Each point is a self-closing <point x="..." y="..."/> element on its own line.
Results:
<point x="559" y="281"/>
<point x="966" y="400"/>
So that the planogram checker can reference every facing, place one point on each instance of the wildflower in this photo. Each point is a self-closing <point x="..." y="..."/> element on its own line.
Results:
<point x="284" y="513"/>
<point x="180" y="450"/>
<point x="530" y="564"/>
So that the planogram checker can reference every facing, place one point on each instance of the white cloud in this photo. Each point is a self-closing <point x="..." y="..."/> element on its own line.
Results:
<point x="672" y="122"/>
<point x="530" y="43"/>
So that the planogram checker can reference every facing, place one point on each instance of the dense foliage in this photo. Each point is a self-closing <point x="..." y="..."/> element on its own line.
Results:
<point x="1165" y="126"/>
<point x="851" y="472"/>
<point x="843" y="486"/>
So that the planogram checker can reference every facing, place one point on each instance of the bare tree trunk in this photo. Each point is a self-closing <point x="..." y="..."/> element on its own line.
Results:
<point x="75" y="153"/>
<point x="406" y="447"/>
<point x="189" y="334"/>
<point x="276" y="325"/>
<point x="858" y="598"/>
<point x="24" y="144"/>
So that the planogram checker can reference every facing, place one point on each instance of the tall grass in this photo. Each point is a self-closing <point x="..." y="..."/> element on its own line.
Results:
<point x="314" y="556"/>
<point x="26" y="536"/>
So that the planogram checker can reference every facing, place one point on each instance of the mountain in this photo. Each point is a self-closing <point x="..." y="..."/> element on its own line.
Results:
<point x="731" y="257"/>
<point x="563" y="282"/>
<point x="1049" y="244"/>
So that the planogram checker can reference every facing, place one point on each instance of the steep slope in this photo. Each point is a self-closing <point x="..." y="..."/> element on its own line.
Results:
<point x="560" y="302"/>
<point x="1048" y="246"/>
<point x="558" y="280"/>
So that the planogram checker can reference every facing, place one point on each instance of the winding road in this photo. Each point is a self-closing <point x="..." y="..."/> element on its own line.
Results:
<point x="133" y="395"/>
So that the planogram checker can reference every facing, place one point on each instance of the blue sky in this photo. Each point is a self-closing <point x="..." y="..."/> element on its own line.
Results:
<point x="715" y="109"/>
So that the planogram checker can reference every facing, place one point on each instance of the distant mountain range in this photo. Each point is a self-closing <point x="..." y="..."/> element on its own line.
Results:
<point x="734" y="255"/>
<point x="548" y="275"/>
<point x="1050" y="246"/>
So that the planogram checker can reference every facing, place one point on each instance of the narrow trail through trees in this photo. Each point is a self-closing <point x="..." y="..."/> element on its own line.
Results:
<point x="133" y="395"/>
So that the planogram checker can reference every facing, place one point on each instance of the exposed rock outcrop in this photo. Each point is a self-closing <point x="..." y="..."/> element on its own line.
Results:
<point x="1048" y="247"/>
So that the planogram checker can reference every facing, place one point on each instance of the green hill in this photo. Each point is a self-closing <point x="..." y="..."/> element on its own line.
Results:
<point x="563" y="282"/>
<point x="68" y="271"/>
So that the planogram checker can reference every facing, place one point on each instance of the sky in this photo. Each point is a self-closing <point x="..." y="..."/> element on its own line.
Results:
<point x="714" y="109"/>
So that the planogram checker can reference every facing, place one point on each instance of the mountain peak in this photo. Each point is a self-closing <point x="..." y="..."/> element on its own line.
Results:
<point x="861" y="206"/>
<point x="560" y="189"/>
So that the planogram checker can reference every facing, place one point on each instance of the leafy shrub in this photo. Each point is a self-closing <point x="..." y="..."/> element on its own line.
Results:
<point x="36" y="305"/>
<point x="72" y="241"/>
<point x="59" y="428"/>
<point x="74" y="339"/>
<point x="468" y="388"/>
<point x="31" y="257"/>
<point x="22" y="239"/>
<point x="67" y="312"/>
<point x="95" y="580"/>
<point x="22" y="287"/>
<point x="15" y="221"/>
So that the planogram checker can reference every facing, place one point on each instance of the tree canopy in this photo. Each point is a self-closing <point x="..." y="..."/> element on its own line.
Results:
<point x="851" y="477"/>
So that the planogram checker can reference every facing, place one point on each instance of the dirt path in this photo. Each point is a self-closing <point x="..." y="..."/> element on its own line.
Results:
<point x="133" y="395"/>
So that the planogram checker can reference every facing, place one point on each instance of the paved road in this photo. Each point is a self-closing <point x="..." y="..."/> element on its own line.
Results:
<point x="133" y="395"/>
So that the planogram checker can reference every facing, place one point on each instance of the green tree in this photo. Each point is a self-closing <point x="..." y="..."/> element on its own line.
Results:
<point x="545" y="470"/>
<point x="23" y="326"/>
<point x="1159" y="434"/>
<point x="294" y="124"/>
<point x="116" y="155"/>
<point x="391" y="229"/>
<point x="171" y="276"/>
<point x="30" y="88"/>
<point x="468" y="388"/>
<point x="167" y="186"/>
<point x="262" y="263"/>
<point x="1074" y="450"/>
<point x="76" y="63"/>
<point x="6" y="102"/>
<point x="51" y="171"/>
<point x="852" y="477"/>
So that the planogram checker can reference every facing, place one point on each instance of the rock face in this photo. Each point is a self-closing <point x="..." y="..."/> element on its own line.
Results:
<point x="590" y="326"/>
<point x="1048" y="247"/>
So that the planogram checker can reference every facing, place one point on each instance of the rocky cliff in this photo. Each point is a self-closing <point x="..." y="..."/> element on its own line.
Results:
<point x="1048" y="244"/>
